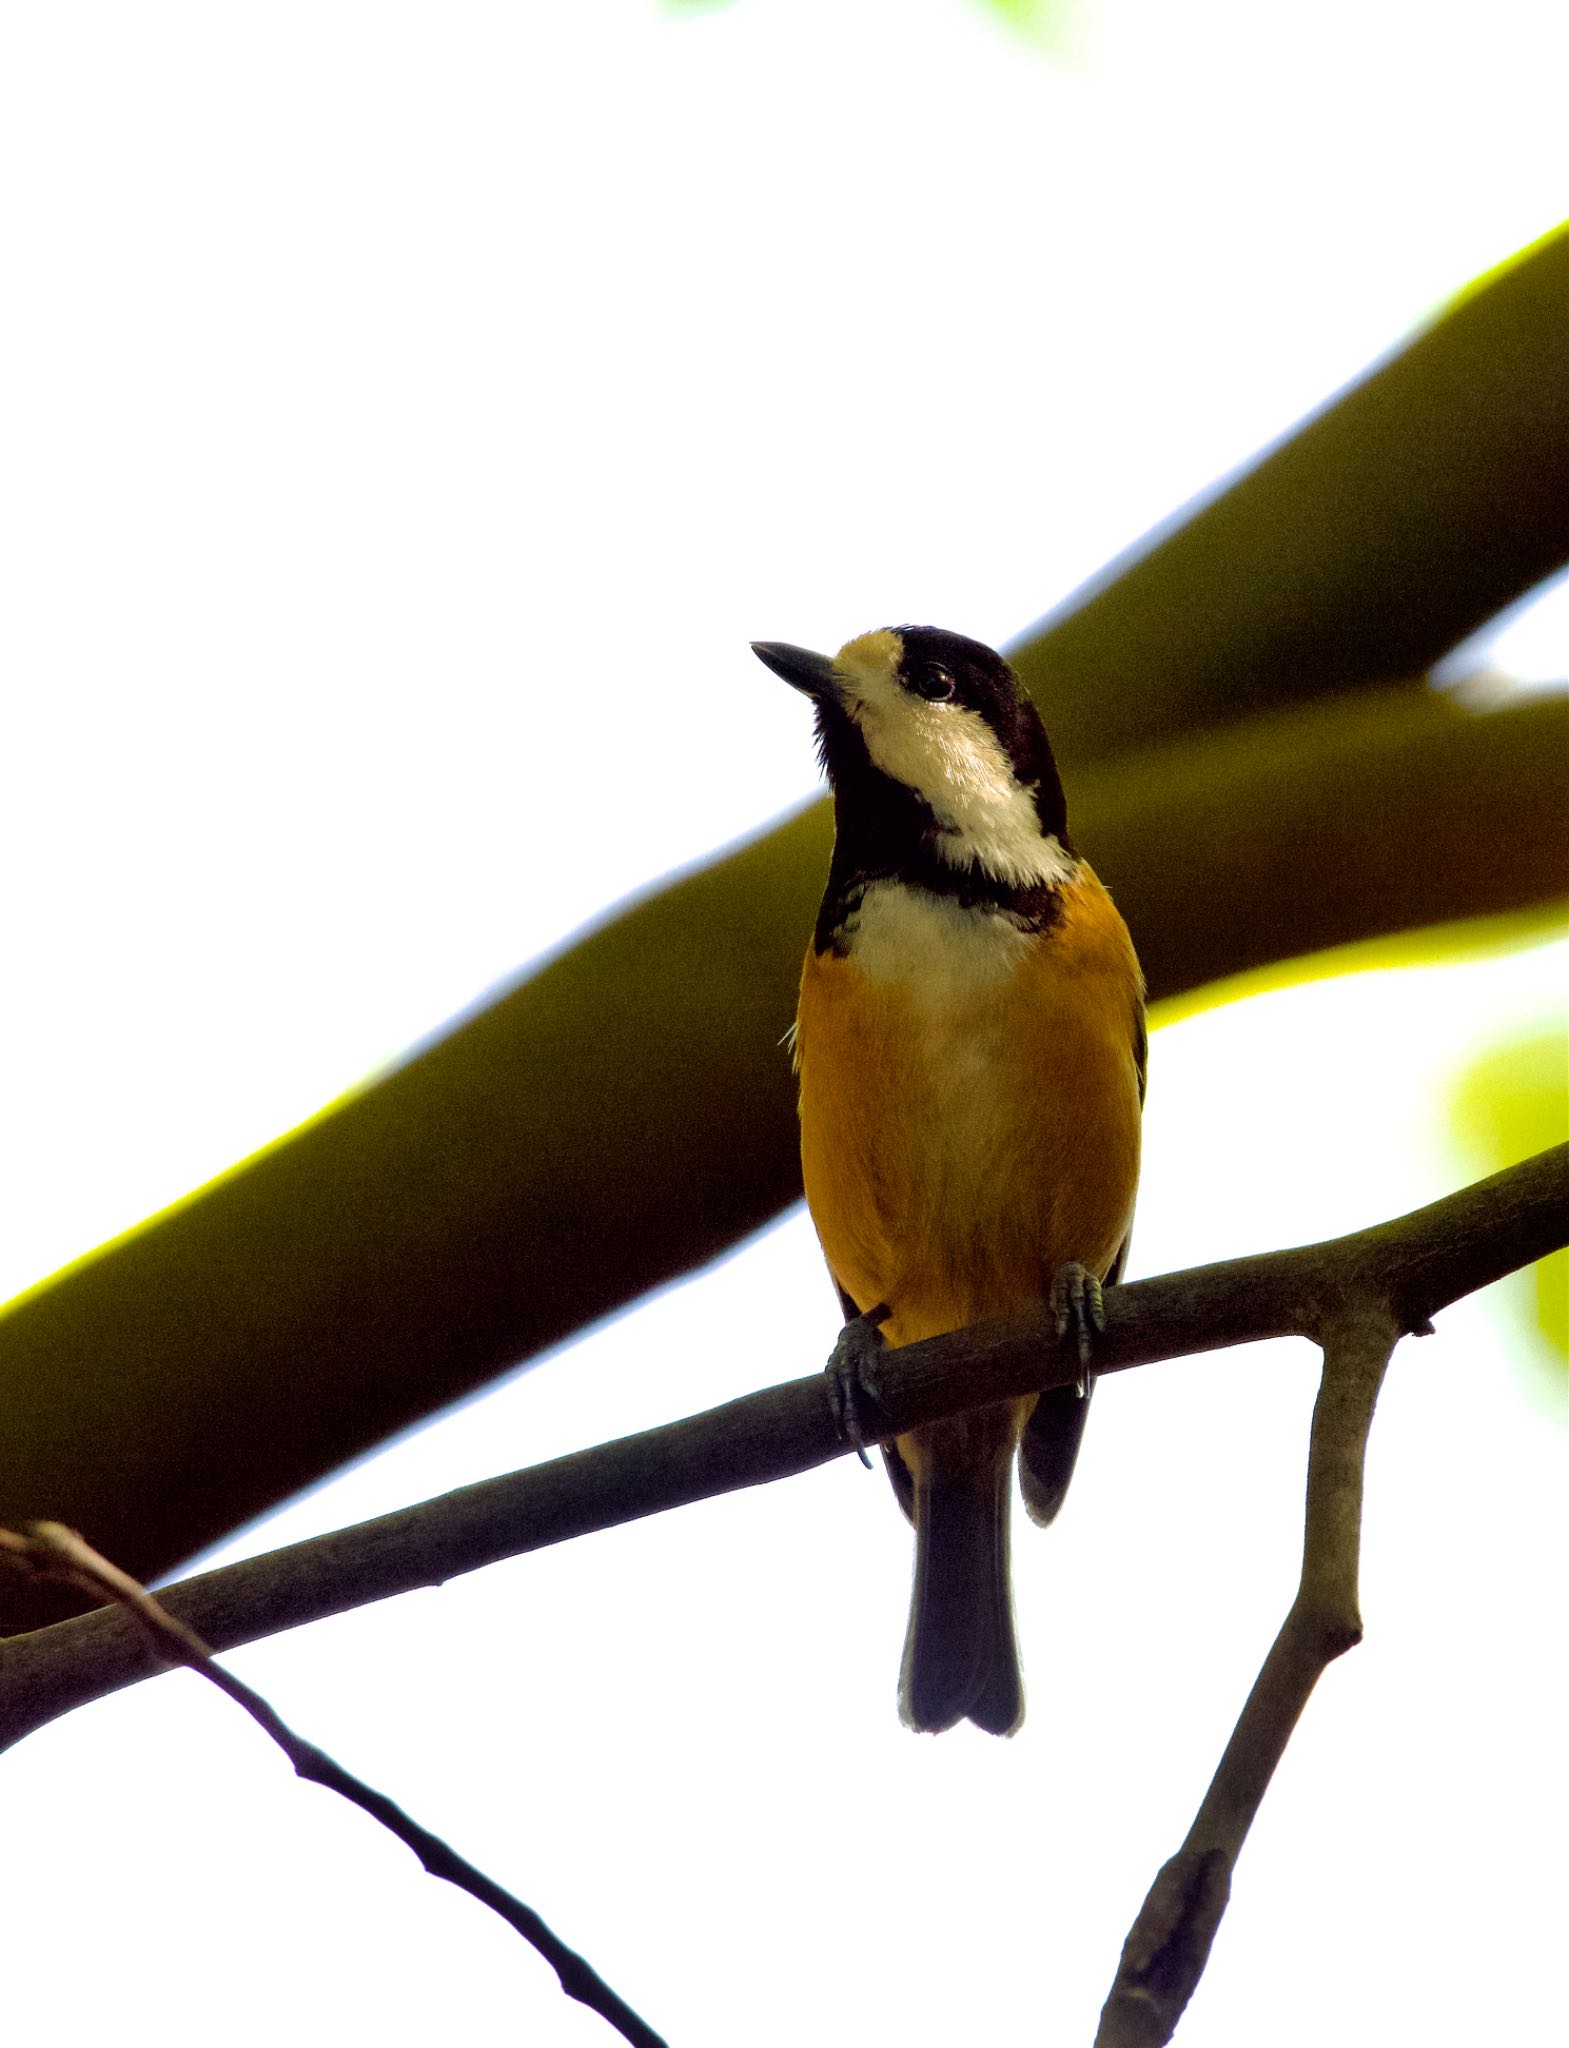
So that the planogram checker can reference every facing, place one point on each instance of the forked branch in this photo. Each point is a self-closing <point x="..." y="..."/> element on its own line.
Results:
<point x="1355" y="1296"/>
<point x="1168" y="1945"/>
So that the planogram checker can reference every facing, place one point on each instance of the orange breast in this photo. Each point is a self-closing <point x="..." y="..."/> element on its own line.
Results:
<point x="970" y="1109"/>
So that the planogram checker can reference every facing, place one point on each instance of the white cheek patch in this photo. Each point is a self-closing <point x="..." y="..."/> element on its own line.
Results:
<point x="951" y="756"/>
<point x="932" y="945"/>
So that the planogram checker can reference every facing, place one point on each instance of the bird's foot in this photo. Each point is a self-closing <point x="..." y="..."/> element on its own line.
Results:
<point x="1076" y="1299"/>
<point x="852" y="1374"/>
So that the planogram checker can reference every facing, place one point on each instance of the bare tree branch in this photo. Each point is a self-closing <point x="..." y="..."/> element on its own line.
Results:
<point x="1412" y="1266"/>
<point x="1168" y="1946"/>
<point x="1355" y="1295"/>
<point x="50" y="1550"/>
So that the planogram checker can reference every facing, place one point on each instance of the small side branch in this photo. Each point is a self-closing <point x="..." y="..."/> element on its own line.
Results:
<point x="1169" y="1943"/>
<point x="49" y="1550"/>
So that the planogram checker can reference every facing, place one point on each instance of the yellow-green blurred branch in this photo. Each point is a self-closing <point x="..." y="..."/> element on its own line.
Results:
<point x="1379" y="535"/>
<point x="1304" y="828"/>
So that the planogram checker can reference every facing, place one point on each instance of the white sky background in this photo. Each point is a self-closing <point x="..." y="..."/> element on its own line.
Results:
<point x="407" y="415"/>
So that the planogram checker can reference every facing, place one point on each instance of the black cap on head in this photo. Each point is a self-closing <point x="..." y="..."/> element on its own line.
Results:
<point x="984" y="683"/>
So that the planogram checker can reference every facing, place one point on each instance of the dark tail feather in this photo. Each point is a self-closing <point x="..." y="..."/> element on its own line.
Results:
<point x="961" y="1660"/>
<point x="1049" y="1449"/>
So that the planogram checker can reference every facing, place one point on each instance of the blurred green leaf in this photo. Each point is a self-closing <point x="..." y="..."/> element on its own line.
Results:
<point x="1510" y="1102"/>
<point x="1056" y="24"/>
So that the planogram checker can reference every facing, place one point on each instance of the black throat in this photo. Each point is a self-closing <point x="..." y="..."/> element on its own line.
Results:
<point x="885" y="831"/>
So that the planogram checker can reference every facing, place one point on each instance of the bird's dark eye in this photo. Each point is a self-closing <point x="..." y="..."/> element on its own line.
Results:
<point x="933" y="682"/>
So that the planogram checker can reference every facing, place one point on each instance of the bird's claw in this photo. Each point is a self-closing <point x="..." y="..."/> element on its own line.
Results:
<point x="852" y="1375"/>
<point x="1076" y="1298"/>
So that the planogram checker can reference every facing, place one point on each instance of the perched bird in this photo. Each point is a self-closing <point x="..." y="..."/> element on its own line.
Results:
<point x="970" y="1046"/>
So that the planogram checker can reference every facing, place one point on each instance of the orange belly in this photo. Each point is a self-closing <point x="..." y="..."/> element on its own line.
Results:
<point x="963" y="1133"/>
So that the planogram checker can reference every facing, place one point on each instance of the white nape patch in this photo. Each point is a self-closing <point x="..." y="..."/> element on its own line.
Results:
<point x="911" y="937"/>
<point x="950" y="756"/>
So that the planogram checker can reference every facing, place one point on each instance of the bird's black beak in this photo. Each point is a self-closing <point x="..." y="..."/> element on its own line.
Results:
<point x="814" y="674"/>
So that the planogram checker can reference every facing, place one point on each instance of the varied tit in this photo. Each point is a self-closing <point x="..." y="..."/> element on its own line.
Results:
<point x="970" y="1046"/>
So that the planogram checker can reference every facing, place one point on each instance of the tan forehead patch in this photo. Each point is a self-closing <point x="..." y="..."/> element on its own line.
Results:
<point x="871" y="661"/>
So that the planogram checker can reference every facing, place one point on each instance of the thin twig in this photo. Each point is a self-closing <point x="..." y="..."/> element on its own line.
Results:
<point x="54" y="1551"/>
<point x="1418" y="1263"/>
<point x="1169" y="1943"/>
